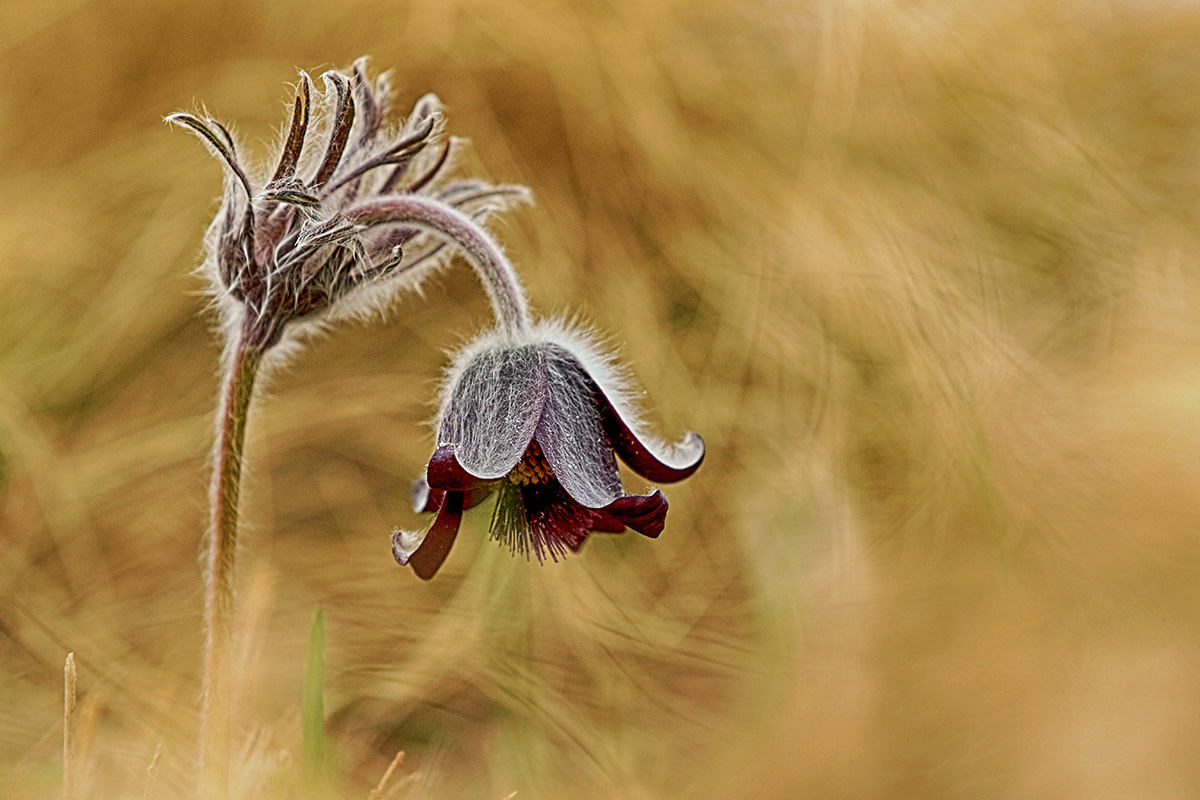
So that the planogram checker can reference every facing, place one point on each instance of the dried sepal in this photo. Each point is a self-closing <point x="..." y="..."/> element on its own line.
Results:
<point x="289" y="250"/>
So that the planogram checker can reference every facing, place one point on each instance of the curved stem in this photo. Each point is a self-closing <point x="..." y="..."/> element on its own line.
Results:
<point x="495" y="271"/>
<point x="240" y="371"/>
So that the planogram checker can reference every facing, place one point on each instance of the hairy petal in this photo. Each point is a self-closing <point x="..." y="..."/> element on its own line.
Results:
<point x="493" y="408"/>
<point x="571" y="436"/>
<point x="653" y="460"/>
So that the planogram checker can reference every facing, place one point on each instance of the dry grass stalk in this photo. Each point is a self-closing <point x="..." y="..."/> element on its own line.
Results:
<point x="69" y="701"/>
<point x="381" y="787"/>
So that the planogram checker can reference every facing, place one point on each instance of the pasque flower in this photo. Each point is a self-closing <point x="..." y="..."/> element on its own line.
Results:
<point x="309" y="243"/>
<point x="539" y="418"/>
<point x="350" y="215"/>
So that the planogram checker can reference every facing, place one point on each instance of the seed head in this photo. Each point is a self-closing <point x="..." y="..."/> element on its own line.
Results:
<point x="294" y="247"/>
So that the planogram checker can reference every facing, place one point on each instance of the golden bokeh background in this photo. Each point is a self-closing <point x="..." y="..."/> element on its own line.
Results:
<point x="923" y="274"/>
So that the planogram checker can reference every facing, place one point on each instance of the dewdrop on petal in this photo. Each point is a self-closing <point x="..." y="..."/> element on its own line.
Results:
<point x="539" y="418"/>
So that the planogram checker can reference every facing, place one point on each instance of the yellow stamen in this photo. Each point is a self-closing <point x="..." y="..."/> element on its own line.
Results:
<point x="533" y="468"/>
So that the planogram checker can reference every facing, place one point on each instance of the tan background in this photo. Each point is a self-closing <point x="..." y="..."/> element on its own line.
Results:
<point x="923" y="275"/>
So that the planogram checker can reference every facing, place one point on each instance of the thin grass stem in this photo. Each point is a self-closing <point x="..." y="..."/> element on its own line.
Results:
<point x="69" y="719"/>
<point x="377" y="792"/>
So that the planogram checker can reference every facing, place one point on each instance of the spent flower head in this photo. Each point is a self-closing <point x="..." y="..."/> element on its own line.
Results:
<point x="307" y="243"/>
<point x="539" y="419"/>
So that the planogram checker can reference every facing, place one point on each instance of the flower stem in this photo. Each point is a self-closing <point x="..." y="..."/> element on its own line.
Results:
<point x="495" y="271"/>
<point x="240" y="371"/>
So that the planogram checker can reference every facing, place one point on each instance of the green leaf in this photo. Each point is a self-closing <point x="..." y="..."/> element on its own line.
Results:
<point x="317" y="758"/>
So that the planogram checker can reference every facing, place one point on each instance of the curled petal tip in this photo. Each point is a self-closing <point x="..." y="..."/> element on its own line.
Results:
<point x="654" y="460"/>
<point x="645" y="514"/>
<point x="426" y="552"/>
<point x="422" y="496"/>
<point x="404" y="544"/>
<point x="429" y="105"/>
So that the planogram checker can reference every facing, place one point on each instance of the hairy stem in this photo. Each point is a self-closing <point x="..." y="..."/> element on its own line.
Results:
<point x="495" y="271"/>
<point x="240" y="371"/>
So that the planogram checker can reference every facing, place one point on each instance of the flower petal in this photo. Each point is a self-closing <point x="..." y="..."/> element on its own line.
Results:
<point x="444" y="472"/>
<point x="493" y="409"/>
<point x="652" y="459"/>
<point x="645" y="514"/>
<point x="570" y="434"/>
<point x="426" y="499"/>
<point x="429" y="555"/>
<point x="604" y="522"/>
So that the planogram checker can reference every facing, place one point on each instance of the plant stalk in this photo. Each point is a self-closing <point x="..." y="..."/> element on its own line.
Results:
<point x="495" y="271"/>
<point x="69" y="717"/>
<point x="241" y="368"/>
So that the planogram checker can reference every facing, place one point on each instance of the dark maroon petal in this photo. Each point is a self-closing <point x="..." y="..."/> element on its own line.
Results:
<point x="425" y="499"/>
<point x="604" y="522"/>
<point x="645" y="514"/>
<point x="444" y="472"/>
<point x="570" y="435"/>
<point x="652" y="460"/>
<point x="493" y="408"/>
<point x="427" y="558"/>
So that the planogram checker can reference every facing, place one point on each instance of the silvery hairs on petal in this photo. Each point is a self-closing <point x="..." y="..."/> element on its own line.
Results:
<point x="599" y="363"/>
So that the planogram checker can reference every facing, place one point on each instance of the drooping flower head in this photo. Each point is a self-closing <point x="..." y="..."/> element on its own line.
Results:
<point x="539" y="419"/>
<point x="293" y="246"/>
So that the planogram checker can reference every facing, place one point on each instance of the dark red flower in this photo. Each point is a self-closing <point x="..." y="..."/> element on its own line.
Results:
<point x="540" y="422"/>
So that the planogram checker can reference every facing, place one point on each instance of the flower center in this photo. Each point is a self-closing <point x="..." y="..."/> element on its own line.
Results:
<point x="533" y="468"/>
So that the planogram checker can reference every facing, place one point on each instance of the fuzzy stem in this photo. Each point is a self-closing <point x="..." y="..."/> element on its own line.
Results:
<point x="232" y="413"/>
<point x="495" y="271"/>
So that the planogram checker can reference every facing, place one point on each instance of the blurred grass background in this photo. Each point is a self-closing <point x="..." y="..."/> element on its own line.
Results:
<point x="923" y="274"/>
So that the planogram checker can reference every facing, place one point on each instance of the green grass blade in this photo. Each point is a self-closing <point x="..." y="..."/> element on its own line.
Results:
<point x="317" y="759"/>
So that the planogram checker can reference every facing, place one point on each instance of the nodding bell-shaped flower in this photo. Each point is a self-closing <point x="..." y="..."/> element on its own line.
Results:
<point x="539" y="418"/>
<point x="340" y="218"/>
